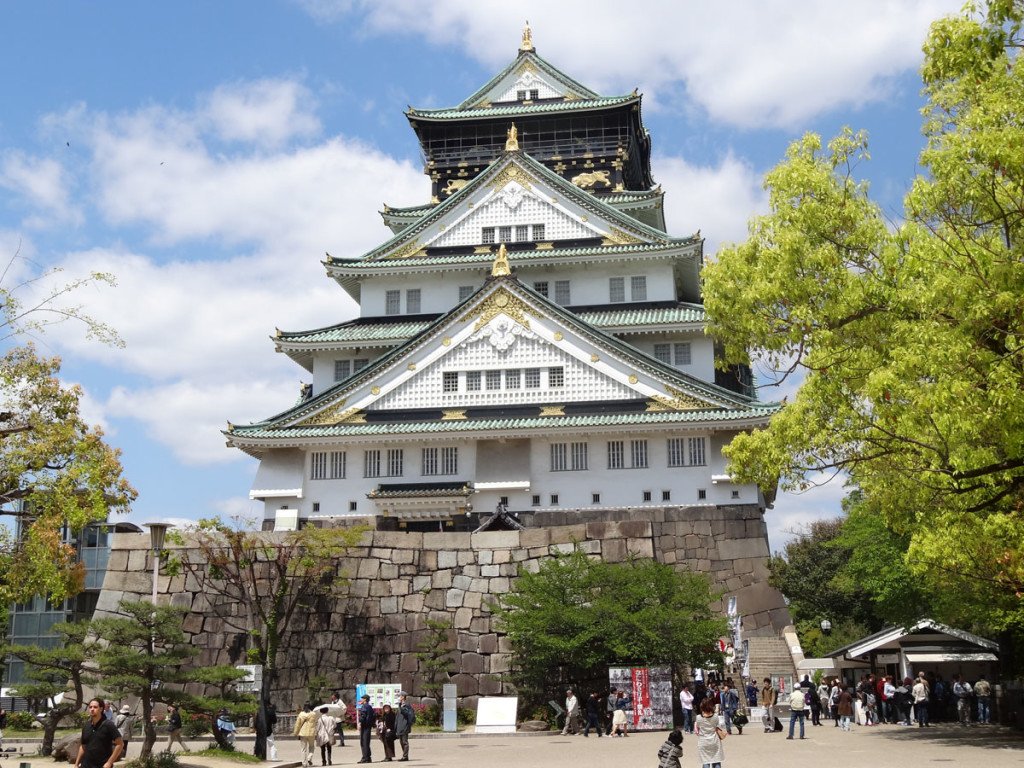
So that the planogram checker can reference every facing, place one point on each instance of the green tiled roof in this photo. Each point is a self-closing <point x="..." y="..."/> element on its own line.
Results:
<point x="261" y="432"/>
<point x="608" y="318"/>
<point x="540" y="63"/>
<point x="516" y="109"/>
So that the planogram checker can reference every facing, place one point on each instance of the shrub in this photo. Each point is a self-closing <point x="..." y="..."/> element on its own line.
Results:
<point x="195" y="725"/>
<point x="20" y="721"/>
<point x="155" y="760"/>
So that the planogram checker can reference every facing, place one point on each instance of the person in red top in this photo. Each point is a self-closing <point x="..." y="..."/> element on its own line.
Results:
<point x="883" y="704"/>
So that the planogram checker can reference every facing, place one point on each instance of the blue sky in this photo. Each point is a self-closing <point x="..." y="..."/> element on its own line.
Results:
<point x="209" y="153"/>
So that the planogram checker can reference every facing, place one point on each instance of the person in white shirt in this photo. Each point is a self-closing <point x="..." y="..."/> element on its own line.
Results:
<point x="797" y="711"/>
<point x="572" y="713"/>
<point x="686" y="704"/>
<point x="919" y="693"/>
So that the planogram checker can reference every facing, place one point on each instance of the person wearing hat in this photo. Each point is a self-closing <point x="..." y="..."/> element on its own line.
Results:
<point x="366" y="719"/>
<point x="123" y="722"/>
<point x="404" y="719"/>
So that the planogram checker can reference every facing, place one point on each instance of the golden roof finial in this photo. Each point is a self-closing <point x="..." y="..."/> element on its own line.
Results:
<point x="527" y="44"/>
<point x="501" y="266"/>
<point x="512" y="142"/>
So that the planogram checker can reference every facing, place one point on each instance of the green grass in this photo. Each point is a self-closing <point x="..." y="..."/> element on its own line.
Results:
<point x="238" y="757"/>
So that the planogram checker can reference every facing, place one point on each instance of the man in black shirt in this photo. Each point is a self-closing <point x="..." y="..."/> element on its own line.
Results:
<point x="101" y="741"/>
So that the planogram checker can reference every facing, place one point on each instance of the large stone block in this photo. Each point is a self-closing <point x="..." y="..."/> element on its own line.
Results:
<point x="446" y="541"/>
<point x="472" y="663"/>
<point x="485" y="556"/>
<point x="441" y="579"/>
<point x="138" y="560"/>
<point x="380" y="588"/>
<point x="388" y="605"/>
<point x="466" y="556"/>
<point x="534" y="537"/>
<point x="500" y="662"/>
<point x="447" y="558"/>
<point x="490" y="685"/>
<point x="499" y="585"/>
<point x="496" y="540"/>
<point x="500" y="556"/>
<point x="489" y="643"/>
<point x="413" y="603"/>
<point x="369" y="568"/>
<point x="454" y="598"/>
<point x="472" y="600"/>
<point x="462" y="582"/>
<point x="388" y="571"/>
<point x="567" y="534"/>
<point x="733" y="549"/>
<point x="640" y="547"/>
<point x="463" y="618"/>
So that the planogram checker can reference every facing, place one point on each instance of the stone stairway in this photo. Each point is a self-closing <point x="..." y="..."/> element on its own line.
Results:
<point x="770" y="656"/>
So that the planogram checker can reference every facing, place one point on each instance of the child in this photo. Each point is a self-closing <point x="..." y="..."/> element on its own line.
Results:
<point x="870" y="717"/>
<point x="670" y="752"/>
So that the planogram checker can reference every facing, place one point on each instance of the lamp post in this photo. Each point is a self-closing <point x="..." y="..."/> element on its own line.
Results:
<point x="157" y="532"/>
<point x="826" y="626"/>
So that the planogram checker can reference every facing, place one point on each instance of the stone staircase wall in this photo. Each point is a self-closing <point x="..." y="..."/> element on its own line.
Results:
<point x="770" y="656"/>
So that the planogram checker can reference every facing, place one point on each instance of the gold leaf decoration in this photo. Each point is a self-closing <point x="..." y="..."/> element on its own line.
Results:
<point x="633" y="379"/>
<point x="619" y="237"/>
<point x="330" y="415"/>
<point x="552" y="410"/>
<point x="446" y="341"/>
<point x="406" y="250"/>
<point x="453" y="415"/>
<point x="411" y="366"/>
<point x="510" y="174"/>
<point x="374" y="390"/>
<point x="681" y="401"/>
<point x="594" y="358"/>
<point x="558" y="336"/>
<point x="498" y="303"/>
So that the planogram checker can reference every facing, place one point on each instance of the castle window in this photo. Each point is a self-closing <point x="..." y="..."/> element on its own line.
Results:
<point x="663" y="353"/>
<point x="558" y="463"/>
<point x="342" y="369"/>
<point x="638" y="288"/>
<point x="505" y="234"/>
<point x="396" y="458"/>
<point x="521" y="95"/>
<point x="316" y="506"/>
<point x="534" y="93"/>
<point x="450" y="381"/>
<point x="682" y="353"/>
<point x="412" y="301"/>
<point x="358" y="365"/>
<point x="533" y="378"/>
<point x="338" y="461"/>
<point x="353" y="506"/>
<point x="666" y="495"/>
<point x="371" y="463"/>
<point x="472" y="381"/>
<point x="430" y="461"/>
<point x="554" y="499"/>
<point x="579" y="456"/>
<point x="538" y="232"/>
<point x="487" y="235"/>
<point x="735" y="494"/>
<point x="676" y="451"/>
<point x="646" y="496"/>
<point x="616" y="289"/>
<point x="392" y="302"/>
<point x="562" y="292"/>
<point x="568" y="457"/>
<point x="318" y="465"/>
<point x="638" y="453"/>
<point x="535" y="500"/>
<point x="465" y="291"/>
<point x="541" y="287"/>
<point x="522" y="232"/>
<point x="695" y="446"/>
<point x="556" y="377"/>
<point x="512" y="379"/>
<point x="503" y="501"/>
<point x="450" y="461"/>
<point x="616" y="455"/>
<point x="702" y="494"/>
<point x="595" y="498"/>
<point x="493" y="380"/>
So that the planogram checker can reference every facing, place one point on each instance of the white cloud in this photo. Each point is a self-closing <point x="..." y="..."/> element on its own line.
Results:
<point x="41" y="183"/>
<point x="265" y="112"/>
<point x="762" y="63"/>
<point x="793" y="512"/>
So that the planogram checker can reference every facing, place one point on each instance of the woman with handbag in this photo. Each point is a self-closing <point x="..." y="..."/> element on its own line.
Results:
<point x="710" y="735"/>
<point x="386" y="732"/>
<point x="325" y="732"/>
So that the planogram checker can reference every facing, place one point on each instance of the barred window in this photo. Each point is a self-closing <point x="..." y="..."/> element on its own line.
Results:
<point x="663" y="353"/>
<point x="534" y="93"/>
<point x="412" y="301"/>
<point x="392" y="302"/>
<point x="472" y="381"/>
<point x="371" y="463"/>
<point x="358" y="365"/>
<point x="487" y="235"/>
<point x="616" y="455"/>
<point x="494" y="380"/>
<point x="342" y="369"/>
<point x="646" y="496"/>
<point x="396" y="458"/>
<point x="512" y="379"/>
<point x="430" y="461"/>
<point x="638" y="287"/>
<point x="538" y="231"/>
<point x="465" y="291"/>
<point x="450" y="381"/>
<point x="696" y="449"/>
<point x="702" y="493"/>
<point x="682" y="353"/>
<point x="558" y="462"/>
<point x="562" y="292"/>
<point x="579" y="456"/>
<point x="450" y="461"/>
<point x="533" y="378"/>
<point x="522" y="232"/>
<point x="595" y="498"/>
<point x="666" y="495"/>
<point x="520" y="95"/>
<point x="318" y="465"/>
<point x="541" y="287"/>
<point x="676" y="453"/>
<point x="535" y="500"/>
<point x="554" y="499"/>
<point x="505" y="234"/>
<point x="338" y="460"/>
<point x="638" y="453"/>
<point x="556" y="377"/>
<point x="616" y="289"/>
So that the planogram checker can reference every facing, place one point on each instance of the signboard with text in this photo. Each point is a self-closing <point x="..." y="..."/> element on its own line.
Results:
<point x="649" y="690"/>
<point x="379" y="693"/>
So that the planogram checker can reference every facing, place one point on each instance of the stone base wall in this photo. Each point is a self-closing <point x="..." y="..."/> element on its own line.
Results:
<point x="399" y="580"/>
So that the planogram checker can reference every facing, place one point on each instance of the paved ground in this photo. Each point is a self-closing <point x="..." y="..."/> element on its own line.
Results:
<point x="882" y="746"/>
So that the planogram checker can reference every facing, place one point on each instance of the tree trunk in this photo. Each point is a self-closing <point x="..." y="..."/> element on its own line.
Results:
<point x="148" y="728"/>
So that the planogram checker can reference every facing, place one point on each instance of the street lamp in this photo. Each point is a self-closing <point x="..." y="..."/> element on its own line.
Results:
<point x="826" y="626"/>
<point x="157" y="532"/>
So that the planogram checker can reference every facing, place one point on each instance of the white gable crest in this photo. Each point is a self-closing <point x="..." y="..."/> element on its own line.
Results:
<point x="502" y="333"/>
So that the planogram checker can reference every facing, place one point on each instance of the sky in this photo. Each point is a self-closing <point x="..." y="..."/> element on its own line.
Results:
<point x="208" y="154"/>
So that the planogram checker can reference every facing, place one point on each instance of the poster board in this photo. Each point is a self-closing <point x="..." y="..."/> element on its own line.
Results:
<point x="496" y="714"/>
<point x="650" y="692"/>
<point x="379" y="693"/>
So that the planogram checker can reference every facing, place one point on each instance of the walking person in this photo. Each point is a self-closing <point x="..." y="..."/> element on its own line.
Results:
<point x="769" y="697"/>
<point x="593" y="714"/>
<point x="815" y="701"/>
<point x="174" y="728"/>
<point x="983" y="693"/>
<point x="609" y="712"/>
<point x="572" y="714"/>
<point x="101" y="742"/>
<point x="710" y="752"/>
<point x="729" y="703"/>
<point x="797" y="711"/>
<point x="619" y="725"/>
<point x="844" y="708"/>
<point x="386" y="732"/>
<point x="339" y="727"/>
<point x="671" y="751"/>
<point x="686" y="705"/>
<point x="405" y="717"/>
<point x="366" y="721"/>
<point x="325" y="735"/>
<point x="305" y="731"/>
<point x="919" y="693"/>
<point x="123" y="722"/>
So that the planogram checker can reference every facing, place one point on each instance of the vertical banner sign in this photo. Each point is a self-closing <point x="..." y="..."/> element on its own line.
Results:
<point x="649" y="690"/>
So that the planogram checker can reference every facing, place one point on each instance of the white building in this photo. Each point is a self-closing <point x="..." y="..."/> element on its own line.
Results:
<point x="532" y="337"/>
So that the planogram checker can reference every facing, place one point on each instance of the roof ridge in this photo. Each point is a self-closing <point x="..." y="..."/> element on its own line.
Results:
<point x="541" y="63"/>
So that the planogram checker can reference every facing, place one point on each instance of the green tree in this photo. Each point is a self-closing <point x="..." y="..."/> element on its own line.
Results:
<point x="142" y="653"/>
<point x="55" y="471"/>
<point x="256" y="581"/>
<point x="908" y="334"/>
<point x="576" y="616"/>
<point x="433" y="652"/>
<point x="53" y="671"/>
